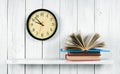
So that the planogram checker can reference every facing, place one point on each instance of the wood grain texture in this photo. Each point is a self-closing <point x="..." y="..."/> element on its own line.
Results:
<point x="110" y="19"/>
<point x="68" y="25"/>
<point x="114" y="35"/>
<point x="86" y="26"/>
<point x="16" y="39"/>
<point x="51" y="46"/>
<point x="3" y="36"/>
<point x="102" y="26"/>
<point x="33" y="46"/>
<point x="74" y="15"/>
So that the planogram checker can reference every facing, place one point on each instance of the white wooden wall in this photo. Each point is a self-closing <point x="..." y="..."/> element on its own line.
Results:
<point x="102" y="16"/>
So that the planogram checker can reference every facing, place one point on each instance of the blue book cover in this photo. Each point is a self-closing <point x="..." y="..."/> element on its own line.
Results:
<point x="91" y="50"/>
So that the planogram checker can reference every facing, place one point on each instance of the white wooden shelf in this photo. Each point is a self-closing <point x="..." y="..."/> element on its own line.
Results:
<point x="59" y="61"/>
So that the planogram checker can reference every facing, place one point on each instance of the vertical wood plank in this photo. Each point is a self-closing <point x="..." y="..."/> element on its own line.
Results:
<point x="86" y="26"/>
<point x="3" y="36"/>
<point x="68" y="25"/>
<point x="102" y="21"/>
<point x="51" y="46"/>
<point x="107" y="24"/>
<point x="16" y="44"/>
<point x="86" y="16"/>
<point x="114" y="35"/>
<point x="33" y="46"/>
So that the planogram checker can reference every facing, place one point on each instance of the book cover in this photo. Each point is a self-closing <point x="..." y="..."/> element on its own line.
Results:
<point x="82" y="58"/>
<point x="84" y="54"/>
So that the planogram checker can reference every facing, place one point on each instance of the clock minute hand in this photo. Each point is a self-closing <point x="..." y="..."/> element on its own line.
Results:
<point x="39" y="21"/>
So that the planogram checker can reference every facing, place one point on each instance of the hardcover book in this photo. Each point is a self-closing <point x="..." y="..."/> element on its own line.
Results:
<point x="83" y="48"/>
<point x="82" y="58"/>
<point x="80" y="42"/>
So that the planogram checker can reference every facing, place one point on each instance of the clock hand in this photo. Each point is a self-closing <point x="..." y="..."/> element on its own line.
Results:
<point x="39" y="21"/>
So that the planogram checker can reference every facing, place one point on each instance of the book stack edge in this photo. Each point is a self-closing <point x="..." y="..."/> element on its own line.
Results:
<point x="79" y="55"/>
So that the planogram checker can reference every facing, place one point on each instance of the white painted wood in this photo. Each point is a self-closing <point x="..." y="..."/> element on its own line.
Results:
<point x="107" y="24"/>
<point x="33" y="46"/>
<point x="57" y="61"/>
<point x="68" y="25"/>
<point x="86" y="16"/>
<point x="86" y="26"/>
<point x="102" y="22"/>
<point x="3" y="36"/>
<point x="16" y="44"/>
<point x="51" y="46"/>
<point x="114" y="28"/>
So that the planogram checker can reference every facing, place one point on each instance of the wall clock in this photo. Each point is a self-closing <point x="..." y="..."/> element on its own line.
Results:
<point x="41" y="24"/>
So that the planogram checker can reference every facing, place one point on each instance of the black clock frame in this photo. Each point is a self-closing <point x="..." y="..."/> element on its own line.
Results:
<point x="30" y="17"/>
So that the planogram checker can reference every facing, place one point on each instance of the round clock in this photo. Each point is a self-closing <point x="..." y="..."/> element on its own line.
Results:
<point x="41" y="24"/>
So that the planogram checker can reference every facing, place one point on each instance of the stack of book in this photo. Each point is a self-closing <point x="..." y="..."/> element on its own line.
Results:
<point x="83" y="48"/>
<point x="86" y="56"/>
<point x="78" y="55"/>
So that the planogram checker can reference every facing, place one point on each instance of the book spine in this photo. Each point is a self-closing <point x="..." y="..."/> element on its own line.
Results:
<point x="91" y="50"/>
<point x="84" y="54"/>
<point x="92" y="59"/>
<point x="83" y="60"/>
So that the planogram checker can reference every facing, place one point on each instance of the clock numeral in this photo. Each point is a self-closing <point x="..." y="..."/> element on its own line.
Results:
<point x="47" y="33"/>
<point x="51" y="29"/>
<point x="31" y="24"/>
<point x="37" y="16"/>
<point x="53" y="24"/>
<point x="47" y="15"/>
<point x="42" y="34"/>
<point x="36" y="33"/>
<point x="33" y="29"/>
<point x="33" y="19"/>
<point x="51" y="19"/>
<point x="41" y="14"/>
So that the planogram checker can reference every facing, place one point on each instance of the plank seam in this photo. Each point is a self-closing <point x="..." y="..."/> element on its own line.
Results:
<point x="7" y="32"/>
<point x="59" y="34"/>
<point x="25" y="33"/>
<point x="94" y="28"/>
<point x="42" y="41"/>
<point x="77" y="31"/>
<point x="25" y="39"/>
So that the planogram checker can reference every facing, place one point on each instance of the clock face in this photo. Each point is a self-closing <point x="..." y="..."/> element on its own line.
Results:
<point x="41" y="24"/>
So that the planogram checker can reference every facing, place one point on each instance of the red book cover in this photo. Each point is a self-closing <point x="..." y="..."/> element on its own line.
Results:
<point x="84" y="54"/>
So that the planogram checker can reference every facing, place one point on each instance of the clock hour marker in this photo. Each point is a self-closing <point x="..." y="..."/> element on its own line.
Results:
<point x="31" y="24"/>
<point x="53" y="24"/>
<point x="50" y="29"/>
<point x="41" y="34"/>
<point x="33" y="19"/>
<point x="36" y="33"/>
<point x="47" y="33"/>
<point x="33" y="29"/>
<point x="47" y="16"/>
<point x="51" y="19"/>
<point x="42" y="14"/>
<point x="37" y="16"/>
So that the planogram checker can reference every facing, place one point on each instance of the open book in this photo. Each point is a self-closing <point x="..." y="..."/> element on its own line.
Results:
<point x="80" y="42"/>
